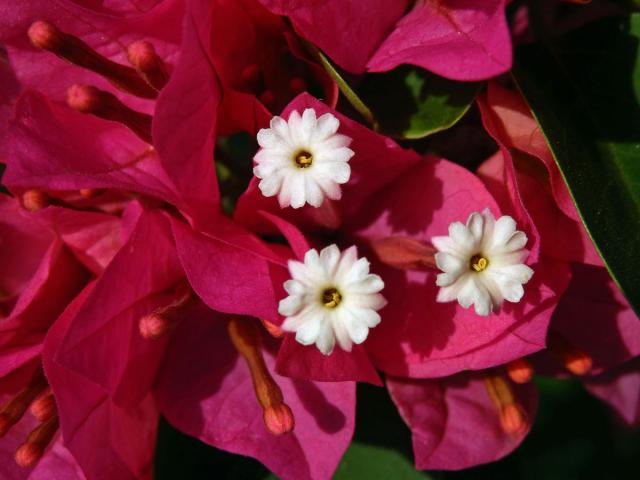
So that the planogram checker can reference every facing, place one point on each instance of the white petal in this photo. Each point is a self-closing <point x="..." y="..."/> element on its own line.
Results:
<point x="339" y="172"/>
<point x="298" y="192"/>
<point x="519" y="273"/>
<point x="504" y="228"/>
<point x="336" y="141"/>
<point x="372" y="301"/>
<point x="314" y="194"/>
<point x="465" y="243"/>
<point x="308" y="121"/>
<point x="326" y="340"/>
<point x="290" y="306"/>
<point x="280" y="127"/>
<point x="358" y="331"/>
<point x="341" y="333"/>
<point x="309" y="332"/>
<point x="335" y="155"/>
<point x="270" y="186"/>
<point x="444" y="244"/>
<point x="369" y="317"/>
<point x="370" y="284"/>
<point x="450" y="263"/>
<point x="293" y="287"/>
<point x="268" y="138"/>
<point x="326" y="126"/>
<point x="482" y="303"/>
<point x="468" y="292"/>
<point x="329" y="258"/>
<point x="475" y="224"/>
<point x="517" y="242"/>
<point x="449" y="293"/>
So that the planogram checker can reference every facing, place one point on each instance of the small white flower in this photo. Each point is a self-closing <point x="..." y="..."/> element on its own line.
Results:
<point x="482" y="262"/>
<point x="332" y="296"/>
<point x="303" y="160"/>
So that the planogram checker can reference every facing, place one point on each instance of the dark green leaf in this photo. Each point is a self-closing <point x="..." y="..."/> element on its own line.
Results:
<point x="411" y="103"/>
<point x="583" y="89"/>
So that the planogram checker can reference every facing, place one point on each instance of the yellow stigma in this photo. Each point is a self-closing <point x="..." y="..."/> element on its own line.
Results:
<point x="478" y="263"/>
<point x="331" y="298"/>
<point x="303" y="159"/>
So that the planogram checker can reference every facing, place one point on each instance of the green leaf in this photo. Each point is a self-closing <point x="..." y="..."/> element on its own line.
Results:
<point x="583" y="89"/>
<point x="411" y="103"/>
<point x="364" y="461"/>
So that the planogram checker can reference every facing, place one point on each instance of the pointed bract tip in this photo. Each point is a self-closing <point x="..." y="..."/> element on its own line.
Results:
<point x="43" y="407"/>
<point x="142" y="55"/>
<point x="34" y="200"/>
<point x="84" y="98"/>
<point x="512" y="419"/>
<point x="578" y="362"/>
<point x="45" y="35"/>
<point x="28" y="454"/>
<point x="279" y="419"/>
<point x="520" y="371"/>
<point x="154" y="326"/>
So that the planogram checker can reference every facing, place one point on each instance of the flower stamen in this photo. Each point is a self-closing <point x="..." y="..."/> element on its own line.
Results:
<point x="331" y="297"/>
<point x="478" y="263"/>
<point x="303" y="159"/>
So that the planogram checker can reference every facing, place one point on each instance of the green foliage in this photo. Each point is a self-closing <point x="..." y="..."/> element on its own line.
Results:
<point x="411" y="103"/>
<point x="584" y="90"/>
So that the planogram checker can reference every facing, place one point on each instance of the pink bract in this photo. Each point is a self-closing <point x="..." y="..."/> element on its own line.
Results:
<point x="447" y="415"/>
<point x="458" y="39"/>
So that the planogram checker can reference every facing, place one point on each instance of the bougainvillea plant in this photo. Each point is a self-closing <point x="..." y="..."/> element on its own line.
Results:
<point x="234" y="220"/>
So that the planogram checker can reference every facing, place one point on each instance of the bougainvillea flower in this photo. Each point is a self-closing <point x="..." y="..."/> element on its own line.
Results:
<point x="332" y="297"/>
<point x="463" y="420"/>
<point x="136" y="325"/>
<point x="260" y="64"/>
<point x="482" y="262"/>
<point x="538" y="181"/>
<point x="416" y="336"/>
<point x="303" y="159"/>
<point x="457" y="39"/>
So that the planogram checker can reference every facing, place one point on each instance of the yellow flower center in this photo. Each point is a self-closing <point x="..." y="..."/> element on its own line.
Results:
<point x="331" y="297"/>
<point x="303" y="159"/>
<point x="478" y="263"/>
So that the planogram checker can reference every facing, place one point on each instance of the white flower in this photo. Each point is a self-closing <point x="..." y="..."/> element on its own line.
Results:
<point x="303" y="160"/>
<point x="482" y="262"/>
<point x="331" y="296"/>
